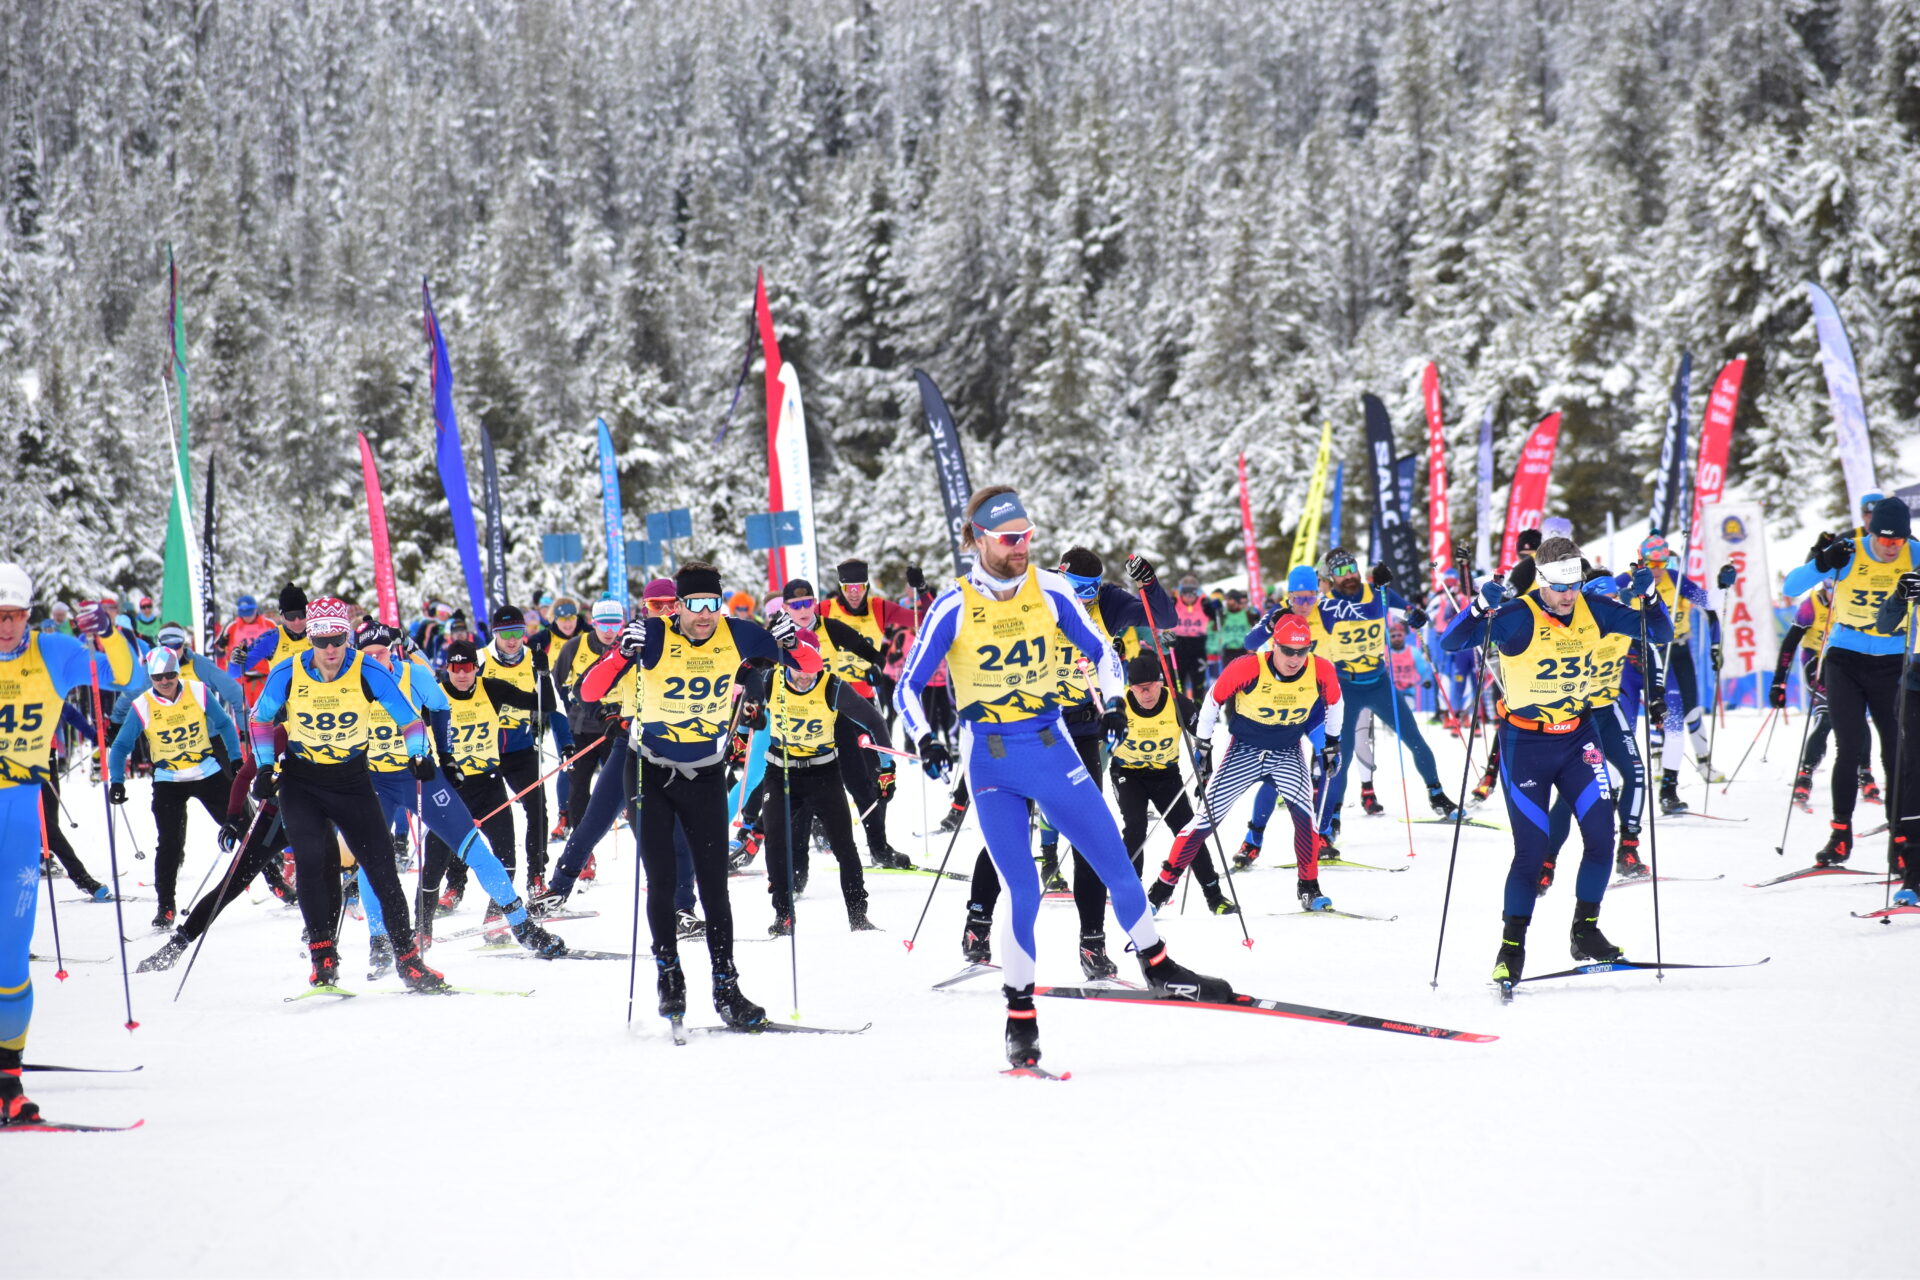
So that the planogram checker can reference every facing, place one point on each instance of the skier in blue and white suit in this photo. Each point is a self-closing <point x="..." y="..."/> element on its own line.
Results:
<point x="992" y="629"/>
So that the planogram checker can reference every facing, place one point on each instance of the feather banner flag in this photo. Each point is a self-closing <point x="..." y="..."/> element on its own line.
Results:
<point x="1306" y="539"/>
<point x="1439" y="520"/>
<point x="1527" y="496"/>
<point x="1716" y="440"/>
<point x="386" y="595"/>
<point x="1849" y="409"/>
<point x="178" y="598"/>
<point x="613" y="518"/>
<point x="789" y="474"/>
<point x="452" y="463"/>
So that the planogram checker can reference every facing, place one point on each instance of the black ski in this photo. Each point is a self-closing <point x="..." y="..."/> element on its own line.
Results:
<point x="785" y="1028"/>
<point x="1342" y="862"/>
<point x="967" y="974"/>
<point x="1329" y="911"/>
<point x="1810" y="873"/>
<point x="918" y="871"/>
<point x="1271" y="1008"/>
<point x="501" y="926"/>
<point x="1633" y="880"/>
<point x="102" y="1071"/>
<point x="1627" y="966"/>
<point x="69" y="959"/>
<point x="571" y="953"/>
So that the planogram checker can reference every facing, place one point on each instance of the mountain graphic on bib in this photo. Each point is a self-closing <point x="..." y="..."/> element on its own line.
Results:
<point x="1016" y="705"/>
<point x="691" y="731"/>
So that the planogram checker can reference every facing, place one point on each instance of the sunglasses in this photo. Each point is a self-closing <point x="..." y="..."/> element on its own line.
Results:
<point x="802" y="602"/>
<point x="329" y="642"/>
<point x="510" y="633"/>
<point x="1888" y="540"/>
<point x="1010" y="541"/>
<point x="294" y="615"/>
<point x="1292" y="652"/>
<point x="164" y="679"/>
<point x="1084" y="587"/>
<point x="13" y="615"/>
<point x="1339" y="568"/>
<point x="1189" y="589"/>
<point x="1303" y="597"/>
<point x="702" y="604"/>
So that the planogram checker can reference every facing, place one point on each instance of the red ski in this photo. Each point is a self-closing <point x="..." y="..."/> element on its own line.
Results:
<point x="1271" y="1008"/>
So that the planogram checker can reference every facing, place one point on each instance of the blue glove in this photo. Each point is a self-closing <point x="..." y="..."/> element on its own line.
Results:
<point x="1643" y="581"/>
<point x="934" y="756"/>
<point x="1493" y="591"/>
<point x="1728" y="576"/>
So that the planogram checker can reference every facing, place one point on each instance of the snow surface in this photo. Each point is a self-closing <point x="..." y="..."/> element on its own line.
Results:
<point x="1751" y="1122"/>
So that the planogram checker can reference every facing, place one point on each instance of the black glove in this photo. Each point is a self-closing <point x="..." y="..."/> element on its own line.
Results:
<point x="422" y="768"/>
<point x="1380" y="576"/>
<point x="1115" y="721"/>
<point x="1203" y="764"/>
<point x="1777" y="694"/>
<point x="1463" y="561"/>
<point x="1713" y="655"/>
<point x="916" y="579"/>
<point x="454" y="774"/>
<point x="784" y="630"/>
<point x="1820" y="544"/>
<point x="1140" y="571"/>
<point x="232" y="830"/>
<point x="117" y="793"/>
<point x="1908" y="588"/>
<point x="263" y="785"/>
<point x="1728" y="576"/>
<point x="1330" y="756"/>
<point x="934" y="756"/>
<point x="754" y="716"/>
<point x="632" y="636"/>
<point x="1834" y="555"/>
<point x="886" y="781"/>
<point x="1417" y="618"/>
<point x="539" y="657"/>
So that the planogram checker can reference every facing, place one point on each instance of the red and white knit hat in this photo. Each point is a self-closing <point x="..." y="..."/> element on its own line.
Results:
<point x="327" y="616"/>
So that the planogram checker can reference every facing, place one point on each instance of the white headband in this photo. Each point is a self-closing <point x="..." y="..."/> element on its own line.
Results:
<point x="1562" y="573"/>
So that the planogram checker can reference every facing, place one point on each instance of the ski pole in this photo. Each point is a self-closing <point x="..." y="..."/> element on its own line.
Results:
<point x="779" y="681"/>
<point x="1466" y="773"/>
<point x="1895" y="818"/>
<point x="1766" y="728"/>
<point x="226" y="881"/>
<point x="53" y="909"/>
<point x="1806" y="724"/>
<point x="867" y="742"/>
<point x="1393" y="700"/>
<point x="113" y="853"/>
<point x="481" y="821"/>
<point x="1769" y="747"/>
<point x="938" y="876"/>
<point x="1653" y="823"/>
<point x="639" y="870"/>
<point x="139" y="854"/>
<point x="1713" y="727"/>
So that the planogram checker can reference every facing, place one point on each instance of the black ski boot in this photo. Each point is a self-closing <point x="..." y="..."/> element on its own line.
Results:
<point x="1869" y="789"/>
<point x="1369" y="801"/>
<point x="688" y="925"/>
<point x="1217" y="900"/>
<point x="1588" y="942"/>
<point x="423" y="928"/>
<point x="1512" y="958"/>
<point x="1626" y="859"/>
<point x="670" y="981"/>
<point x="419" y="976"/>
<point x="889" y="858"/>
<point x="857" y="921"/>
<point x="1803" y="789"/>
<point x="1050" y="878"/>
<point x="1839" y="846"/>
<point x="976" y="939"/>
<point x="1545" y="882"/>
<point x="956" y="815"/>
<point x="326" y="964"/>
<point x="530" y="934"/>
<point x="1023" y="1027"/>
<point x="1670" y="801"/>
<point x="379" y="957"/>
<point x="163" y="919"/>
<point x="170" y="951"/>
<point x="782" y="926"/>
<point x="1311" y="899"/>
<point x="1094" y="961"/>
<point x="1171" y="980"/>
<point x="1442" y="803"/>
<point x="734" y="1008"/>
<point x="1246" y="856"/>
<point x="17" y="1108"/>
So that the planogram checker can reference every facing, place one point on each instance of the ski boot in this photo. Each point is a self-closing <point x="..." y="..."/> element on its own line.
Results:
<point x="956" y="815"/>
<point x="529" y="934"/>
<point x="1869" y="789"/>
<point x="418" y="977"/>
<point x="1484" y="788"/>
<point x="1170" y="980"/>
<point x="1369" y="801"/>
<point x="1094" y="961"/>
<point x="559" y="831"/>
<point x="1218" y="902"/>
<point x="450" y="897"/>
<point x="592" y="870"/>
<point x="1051" y="881"/>
<point x="171" y="950"/>
<point x="1839" y="846"/>
<point x="891" y="859"/>
<point x="1708" y="773"/>
<point x="100" y="893"/>
<point x="550" y="903"/>
<point x="495" y="924"/>
<point x="1023" y="1027"/>
<point x="1670" y="801"/>
<point x="976" y="939"/>
<point x="1512" y="957"/>
<point x="800" y="874"/>
<point x="350" y="895"/>
<point x="741" y="848"/>
<point x="1311" y="899"/>
<point x="1897" y="858"/>
<point x="163" y="918"/>
<point x="379" y="957"/>
<point x="423" y="926"/>
<point x="326" y="964"/>
<point x="1160" y="892"/>
<point x="670" y="981"/>
<point x="1246" y="856"/>
<point x="857" y="921"/>
<point x="1442" y="803"/>
<point x="1626" y="859"/>
<point x="17" y="1108"/>
<point x="1328" y="853"/>
<point x="1545" y="882"/>
<point x="1587" y="941"/>
<point x="734" y="1008"/>
<point x="782" y="926"/>
<point x="1803" y="789"/>
<point x="536" y="886"/>
<point x="688" y="925"/>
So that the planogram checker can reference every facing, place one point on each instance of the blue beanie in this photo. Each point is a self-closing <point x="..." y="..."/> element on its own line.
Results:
<point x="1303" y="578"/>
<point x="1890" y="519"/>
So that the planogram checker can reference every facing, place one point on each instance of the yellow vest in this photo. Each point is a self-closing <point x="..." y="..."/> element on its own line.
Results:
<point x="1355" y="642"/>
<point x="584" y="656"/>
<point x="284" y="648"/>
<point x="29" y="713"/>
<point x="177" y="738"/>
<point x="386" y="747"/>
<point x="1815" y="636"/>
<point x="1275" y="701"/>
<point x="520" y="675"/>
<point x="1550" y="678"/>
<point x="1075" y="669"/>
<point x="1153" y="739"/>
<point x="1858" y="595"/>
<point x="847" y="665"/>
<point x="1680" y="609"/>
<point x="687" y="696"/>
<point x="1609" y="664"/>
<point x="474" y="727"/>
<point x="1001" y="667"/>
<point x="328" y="721"/>
<point x="802" y="723"/>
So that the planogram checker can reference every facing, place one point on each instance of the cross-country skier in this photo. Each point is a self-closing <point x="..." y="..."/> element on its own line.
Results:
<point x="1145" y="768"/>
<point x="270" y="648"/>
<point x="993" y="628"/>
<point x="1805" y="639"/>
<point x="1546" y="640"/>
<point x="509" y="657"/>
<point x="1193" y="615"/>
<point x="1901" y="859"/>
<point x="1679" y="681"/>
